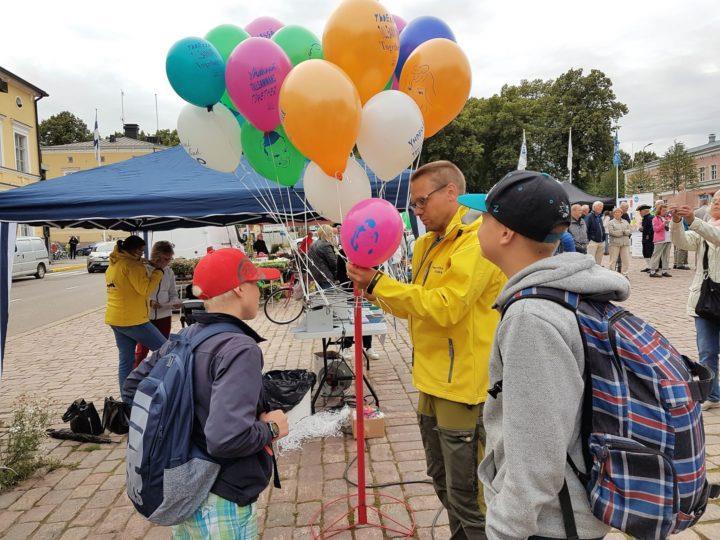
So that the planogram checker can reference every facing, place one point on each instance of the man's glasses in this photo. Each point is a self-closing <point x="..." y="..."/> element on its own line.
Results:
<point x="422" y="201"/>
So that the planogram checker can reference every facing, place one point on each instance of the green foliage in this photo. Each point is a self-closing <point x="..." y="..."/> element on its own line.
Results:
<point x="63" y="128"/>
<point x="19" y="455"/>
<point x="184" y="268"/>
<point x="677" y="169"/>
<point x="168" y="137"/>
<point x="484" y="140"/>
<point x="642" y="182"/>
<point x="642" y="158"/>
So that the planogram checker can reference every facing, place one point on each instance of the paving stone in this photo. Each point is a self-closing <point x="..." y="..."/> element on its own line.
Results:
<point x="115" y="520"/>
<point x="136" y="526"/>
<point x="76" y="533"/>
<point x="6" y="499"/>
<point x="73" y="479"/>
<point x="102" y="499"/>
<point x="28" y="499"/>
<point x="281" y="515"/>
<point x="55" y="496"/>
<point x="66" y="511"/>
<point x="278" y="533"/>
<point x="21" y="531"/>
<point x="7" y="518"/>
<point x="36" y="513"/>
<point x="88" y="517"/>
<point x="49" y="531"/>
<point x="83" y="491"/>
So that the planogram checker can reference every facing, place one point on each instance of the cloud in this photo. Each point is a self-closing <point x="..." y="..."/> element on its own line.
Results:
<point x="661" y="55"/>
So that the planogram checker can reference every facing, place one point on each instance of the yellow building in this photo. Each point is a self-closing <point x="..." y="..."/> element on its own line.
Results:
<point x="19" y="136"/>
<point x="65" y="159"/>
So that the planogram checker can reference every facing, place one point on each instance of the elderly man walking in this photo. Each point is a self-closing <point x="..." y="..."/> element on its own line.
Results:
<point x="596" y="232"/>
<point x="578" y="228"/>
<point x="449" y="310"/>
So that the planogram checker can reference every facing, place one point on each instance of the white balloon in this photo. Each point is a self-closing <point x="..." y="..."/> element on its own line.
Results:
<point x="391" y="133"/>
<point x="332" y="198"/>
<point x="212" y="138"/>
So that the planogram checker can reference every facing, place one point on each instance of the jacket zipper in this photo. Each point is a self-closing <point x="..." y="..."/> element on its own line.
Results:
<point x="451" y="351"/>
<point x="435" y="243"/>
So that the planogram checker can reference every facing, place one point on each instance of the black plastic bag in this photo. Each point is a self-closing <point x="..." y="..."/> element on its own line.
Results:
<point x="284" y="389"/>
<point x="83" y="418"/>
<point x="116" y="416"/>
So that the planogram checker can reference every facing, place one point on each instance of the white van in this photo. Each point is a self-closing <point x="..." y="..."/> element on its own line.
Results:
<point x="31" y="257"/>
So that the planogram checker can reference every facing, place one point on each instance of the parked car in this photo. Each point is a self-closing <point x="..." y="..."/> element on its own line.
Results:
<point x="31" y="257"/>
<point x="99" y="260"/>
<point x="85" y="251"/>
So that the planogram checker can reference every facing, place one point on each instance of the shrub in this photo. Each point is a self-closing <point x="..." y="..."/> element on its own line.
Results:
<point x="184" y="268"/>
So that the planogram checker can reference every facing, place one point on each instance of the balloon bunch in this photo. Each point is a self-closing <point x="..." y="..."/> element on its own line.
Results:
<point x="282" y="96"/>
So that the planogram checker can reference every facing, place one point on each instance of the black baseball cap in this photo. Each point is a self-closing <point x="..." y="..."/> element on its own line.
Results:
<point x="530" y="203"/>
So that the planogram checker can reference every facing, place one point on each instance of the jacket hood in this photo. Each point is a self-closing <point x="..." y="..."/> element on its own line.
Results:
<point x="573" y="272"/>
<point x="118" y="255"/>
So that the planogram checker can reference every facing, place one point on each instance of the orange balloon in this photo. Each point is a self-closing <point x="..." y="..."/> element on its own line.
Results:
<point x="320" y="111"/>
<point x="437" y="76"/>
<point x="361" y="38"/>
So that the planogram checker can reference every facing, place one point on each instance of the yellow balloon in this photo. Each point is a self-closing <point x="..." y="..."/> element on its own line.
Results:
<point x="361" y="38"/>
<point x="437" y="76"/>
<point x="320" y="111"/>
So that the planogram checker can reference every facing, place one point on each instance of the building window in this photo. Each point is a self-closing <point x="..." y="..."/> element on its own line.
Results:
<point x="701" y="174"/>
<point x="713" y="172"/>
<point x="21" y="153"/>
<point x="70" y="159"/>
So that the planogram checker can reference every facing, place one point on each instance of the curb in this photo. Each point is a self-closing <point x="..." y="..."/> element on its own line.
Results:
<point x="67" y="268"/>
<point x="54" y="323"/>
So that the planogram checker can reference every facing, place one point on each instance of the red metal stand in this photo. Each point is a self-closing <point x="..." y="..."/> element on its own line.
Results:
<point x="360" y="520"/>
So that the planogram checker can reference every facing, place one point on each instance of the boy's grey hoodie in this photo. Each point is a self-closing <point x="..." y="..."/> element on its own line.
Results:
<point x="535" y="421"/>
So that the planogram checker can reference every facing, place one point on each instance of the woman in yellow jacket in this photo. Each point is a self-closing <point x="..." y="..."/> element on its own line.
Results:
<point x="128" y="291"/>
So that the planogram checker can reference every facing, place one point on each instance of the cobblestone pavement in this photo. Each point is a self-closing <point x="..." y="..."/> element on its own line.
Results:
<point x="86" y="499"/>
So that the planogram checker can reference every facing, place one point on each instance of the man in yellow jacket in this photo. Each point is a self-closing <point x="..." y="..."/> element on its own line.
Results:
<point x="448" y="306"/>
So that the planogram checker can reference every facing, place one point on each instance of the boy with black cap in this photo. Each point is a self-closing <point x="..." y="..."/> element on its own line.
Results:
<point x="533" y="414"/>
<point x="231" y="424"/>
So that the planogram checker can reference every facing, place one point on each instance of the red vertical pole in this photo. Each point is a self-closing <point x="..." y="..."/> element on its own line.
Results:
<point x="360" y="410"/>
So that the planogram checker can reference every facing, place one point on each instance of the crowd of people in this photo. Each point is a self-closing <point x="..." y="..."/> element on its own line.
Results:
<point x="500" y="380"/>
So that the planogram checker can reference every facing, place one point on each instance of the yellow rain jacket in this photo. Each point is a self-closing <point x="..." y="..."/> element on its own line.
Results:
<point x="449" y="310"/>
<point x="128" y="290"/>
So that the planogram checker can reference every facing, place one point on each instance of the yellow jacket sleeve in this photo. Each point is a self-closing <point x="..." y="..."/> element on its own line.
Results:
<point x="462" y="283"/>
<point x="144" y="285"/>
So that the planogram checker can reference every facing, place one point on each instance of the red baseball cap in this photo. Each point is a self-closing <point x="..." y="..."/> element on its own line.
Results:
<point x="225" y="269"/>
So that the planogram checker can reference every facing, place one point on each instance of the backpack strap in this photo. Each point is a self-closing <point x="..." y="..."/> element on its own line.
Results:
<point x="210" y="330"/>
<point x="702" y="384"/>
<point x="568" y="514"/>
<point x="566" y="299"/>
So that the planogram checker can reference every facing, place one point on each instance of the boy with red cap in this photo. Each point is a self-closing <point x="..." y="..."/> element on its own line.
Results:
<point x="231" y="424"/>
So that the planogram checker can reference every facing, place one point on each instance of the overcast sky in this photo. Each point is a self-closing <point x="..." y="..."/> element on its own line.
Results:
<point x="663" y="55"/>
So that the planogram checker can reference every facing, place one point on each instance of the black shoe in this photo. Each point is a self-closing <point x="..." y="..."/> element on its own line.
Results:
<point x="684" y="267"/>
<point x="645" y="270"/>
<point x="654" y="274"/>
<point x="675" y="266"/>
<point x="665" y="274"/>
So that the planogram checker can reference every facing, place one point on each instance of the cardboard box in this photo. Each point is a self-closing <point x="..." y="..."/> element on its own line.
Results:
<point x="374" y="427"/>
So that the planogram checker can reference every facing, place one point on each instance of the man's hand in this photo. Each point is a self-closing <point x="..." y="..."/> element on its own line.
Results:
<point x="360" y="276"/>
<point x="685" y="212"/>
<point x="177" y="304"/>
<point x="154" y="304"/>
<point x="280" y="418"/>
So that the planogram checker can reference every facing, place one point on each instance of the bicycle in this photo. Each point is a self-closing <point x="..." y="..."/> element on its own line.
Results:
<point x="282" y="305"/>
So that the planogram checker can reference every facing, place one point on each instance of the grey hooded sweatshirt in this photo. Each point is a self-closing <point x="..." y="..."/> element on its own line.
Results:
<point x="535" y="420"/>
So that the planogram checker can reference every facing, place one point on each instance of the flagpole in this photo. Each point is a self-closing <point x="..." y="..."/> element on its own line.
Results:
<point x="570" y="156"/>
<point x="157" y="118"/>
<point x="96" y="139"/>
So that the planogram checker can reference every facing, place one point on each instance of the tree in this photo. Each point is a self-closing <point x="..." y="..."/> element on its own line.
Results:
<point x="167" y="137"/>
<point x="642" y="158"/>
<point x="63" y="128"/>
<point x="484" y="140"/>
<point x="641" y="182"/>
<point x="677" y="169"/>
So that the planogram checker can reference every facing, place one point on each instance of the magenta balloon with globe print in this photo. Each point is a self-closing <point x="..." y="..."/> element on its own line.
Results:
<point x="371" y="232"/>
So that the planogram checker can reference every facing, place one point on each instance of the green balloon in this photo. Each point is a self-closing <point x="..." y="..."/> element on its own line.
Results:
<point x="225" y="100"/>
<point x="298" y="43"/>
<point x="225" y="38"/>
<point x="272" y="155"/>
<point x="388" y="86"/>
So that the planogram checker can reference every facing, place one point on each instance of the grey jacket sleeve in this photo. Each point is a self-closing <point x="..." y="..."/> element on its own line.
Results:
<point x="232" y="429"/>
<point x="542" y="392"/>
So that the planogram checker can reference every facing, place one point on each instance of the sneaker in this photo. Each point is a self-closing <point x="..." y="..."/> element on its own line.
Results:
<point x="665" y="274"/>
<point x="645" y="270"/>
<point x="708" y="405"/>
<point x="372" y="355"/>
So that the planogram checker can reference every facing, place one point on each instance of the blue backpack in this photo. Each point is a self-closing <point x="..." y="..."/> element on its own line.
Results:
<point x="168" y="477"/>
<point x="642" y="428"/>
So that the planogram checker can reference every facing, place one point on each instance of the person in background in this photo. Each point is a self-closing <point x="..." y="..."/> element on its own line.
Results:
<point x="231" y="421"/>
<point x="566" y="244"/>
<point x="585" y="210"/>
<point x="165" y="298"/>
<point x="703" y="237"/>
<point x="128" y="290"/>
<point x="647" y="234"/>
<point x="578" y="228"/>
<point x="596" y="233"/>
<point x="661" y="241"/>
<point x="259" y="246"/>
<point x="607" y="216"/>
<point x="625" y="207"/>
<point x="701" y="212"/>
<point x="306" y="243"/>
<point x="322" y="259"/>
<point x="448" y="306"/>
<point x="619" y="232"/>
<point x="74" y="241"/>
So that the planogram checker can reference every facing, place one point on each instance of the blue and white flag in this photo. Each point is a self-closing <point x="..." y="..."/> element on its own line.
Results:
<point x="522" y="160"/>
<point x="96" y="140"/>
<point x="616" y="152"/>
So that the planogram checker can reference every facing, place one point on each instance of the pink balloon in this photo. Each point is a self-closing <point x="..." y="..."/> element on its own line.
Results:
<point x="371" y="232"/>
<point x="264" y="27"/>
<point x="254" y="74"/>
<point x="400" y="23"/>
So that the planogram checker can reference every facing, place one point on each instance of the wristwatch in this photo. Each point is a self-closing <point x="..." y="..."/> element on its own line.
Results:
<point x="274" y="429"/>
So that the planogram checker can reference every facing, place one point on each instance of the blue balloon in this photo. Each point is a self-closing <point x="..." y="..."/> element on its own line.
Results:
<point x="196" y="71"/>
<point x="239" y="117"/>
<point x="417" y="32"/>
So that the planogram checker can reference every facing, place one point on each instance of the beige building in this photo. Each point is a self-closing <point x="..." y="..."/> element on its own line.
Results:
<point x="65" y="159"/>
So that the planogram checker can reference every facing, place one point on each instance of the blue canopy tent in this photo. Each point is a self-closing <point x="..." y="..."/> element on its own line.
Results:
<point x="161" y="191"/>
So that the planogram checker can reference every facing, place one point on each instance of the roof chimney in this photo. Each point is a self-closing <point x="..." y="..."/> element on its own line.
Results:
<point x="711" y="138"/>
<point x="131" y="130"/>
